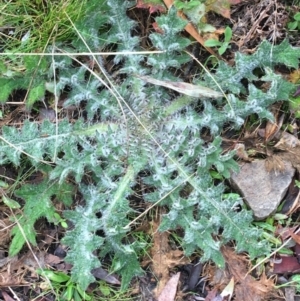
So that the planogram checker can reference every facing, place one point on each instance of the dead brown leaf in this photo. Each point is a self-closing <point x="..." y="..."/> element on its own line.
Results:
<point x="284" y="233"/>
<point x="153" y="5"/>
<point x="51" y="259"/>
<point x="184" y="88"/>
<point x="246" y="288"/>
<point x="221" y="7"/>
<point x="287" y="141"/>
<point x="169" y="291"/>
<point x="290" y="149"/>
<point x="292" y="199"/>
<point x="163" y="257"/>
<point x="241" y="152"/>
<point x="295" y="237"/>
<point x="5" y="227"/>
<point x="272" y="128"/>
<point x="10" y="278"/>
<point x="286" y="264"/>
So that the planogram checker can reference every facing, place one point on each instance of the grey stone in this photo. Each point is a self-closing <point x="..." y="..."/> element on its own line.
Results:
<point x="262" y="190"/>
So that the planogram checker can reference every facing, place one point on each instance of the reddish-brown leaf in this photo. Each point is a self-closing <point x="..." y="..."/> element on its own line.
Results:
<point x="153" y="5"/>
<point x="287" y="264"/>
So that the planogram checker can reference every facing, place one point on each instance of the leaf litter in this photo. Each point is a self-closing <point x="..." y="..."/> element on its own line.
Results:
<point x="163" y="258"/>
<point x="246" y="287"/>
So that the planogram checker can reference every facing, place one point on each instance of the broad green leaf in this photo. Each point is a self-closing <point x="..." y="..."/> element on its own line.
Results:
<point x="212" y="43"/>
<point x="7" y="86"/>
<point x="58" y="277"/>
<point x="10" y="203"/>
<point x="36" y="93"/>
<point x="3" y="184"/>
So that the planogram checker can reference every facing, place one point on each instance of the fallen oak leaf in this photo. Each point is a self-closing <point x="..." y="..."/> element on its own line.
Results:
<point x="184" y="88"/>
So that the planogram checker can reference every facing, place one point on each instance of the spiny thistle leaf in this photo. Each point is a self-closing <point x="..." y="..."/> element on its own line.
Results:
<point x="38" y="203"/>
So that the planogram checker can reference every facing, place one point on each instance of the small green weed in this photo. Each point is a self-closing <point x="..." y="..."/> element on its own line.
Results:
<point x="295" y="24"/>
<point x="222" y="46"/>
<point x="269" y="228"/>
<point x="62" y="285"/>
<point x="64" y="289"/>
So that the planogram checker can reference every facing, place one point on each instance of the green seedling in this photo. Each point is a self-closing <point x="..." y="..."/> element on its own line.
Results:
<point x="216" y="175"/>
<point x="268" y="233"/>
<point x="295" y="24"/>
<point x="295" y="105"/>
<point x="222" y="46"/>
<point x="62" y="284"/>
<point x="60" y="220"/>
